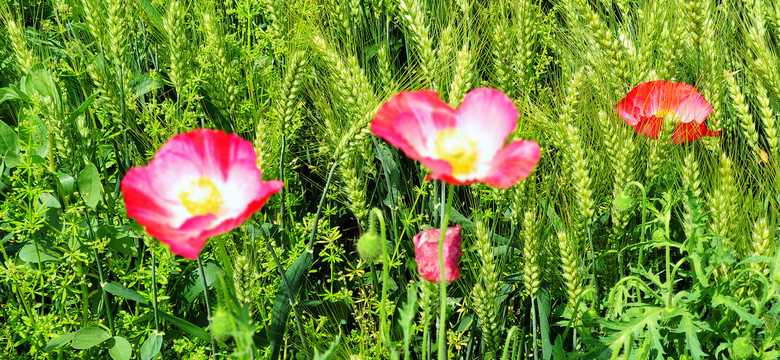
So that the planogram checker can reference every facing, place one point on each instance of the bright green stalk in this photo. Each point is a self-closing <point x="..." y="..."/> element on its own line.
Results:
<point x="208" y="308"/>
<point x="385" y="276"/>
<point x="442" y="343"/>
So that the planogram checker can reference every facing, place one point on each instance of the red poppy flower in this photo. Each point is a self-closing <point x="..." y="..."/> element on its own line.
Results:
<point x="646" y="106"/>
<point x="199" y="184"/>
<point x="426" y="253"/>
<point x="460" y="146"/>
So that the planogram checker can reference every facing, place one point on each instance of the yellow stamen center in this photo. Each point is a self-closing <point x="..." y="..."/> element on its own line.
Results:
<point x="661" y="114"/>
<point x="457" y="148"/>
<point x="201" y="197"/>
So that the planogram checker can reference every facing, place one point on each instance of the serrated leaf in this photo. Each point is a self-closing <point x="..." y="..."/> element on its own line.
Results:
<point x="281" y="310"/>
<point x="121" y="350"/>
<point x="58" y="341"/>
<point x="733" y="306"/>
<point x="123" y="292"/>
<point x="89" y="185"/>
<point x="691" y="339"/>
<point x="88" y="337"/>
<point x="150" y="349"/>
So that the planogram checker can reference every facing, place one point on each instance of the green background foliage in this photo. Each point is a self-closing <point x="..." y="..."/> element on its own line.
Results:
<point x="684" y="265"/>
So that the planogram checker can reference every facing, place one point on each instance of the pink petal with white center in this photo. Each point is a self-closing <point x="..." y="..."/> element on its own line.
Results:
<point x="154" y="194"/>
<point x="426" y="254"/>
<point x="410" y="119"/>
<point x="512" y="163"/>
<point x="489" y="116"/>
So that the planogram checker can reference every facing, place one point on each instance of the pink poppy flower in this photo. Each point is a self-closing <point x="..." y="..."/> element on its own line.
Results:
<point x="426" y="253"/>
<point x="460" y="146"/>
<point x="199" y="184"/>
<point x="646" y="106"/>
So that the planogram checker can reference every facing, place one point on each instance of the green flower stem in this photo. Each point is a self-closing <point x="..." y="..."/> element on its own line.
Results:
<point x="442" y="343"/>
<point x="385" y="276"/>
<point x="154" y="296"/>
<point x="208" y="308"/>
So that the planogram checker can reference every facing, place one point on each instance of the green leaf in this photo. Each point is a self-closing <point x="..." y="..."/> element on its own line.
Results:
<point x="151" y="347"/>
<point x="296" y="274"/>
<point x="29" y="254"/>
<point x="121" y="350"/>
<point x="11" y="93"/>
<point x="82" y="108"/>
<point x="144" y="83"/>
<point x="187" y="326"/>
<point x="407" y="313"/>
<point x="9" y="141"/>
<point x="89" y="185"/>
<point x="543" y="305"/>
<point x="733" y="306"/>
<point x="195" y="288"/>
<point x="691" y="339"/>
<point x="58" y="342"/>
<point x="154" y="15"/>
<point x="88" y="337"/>
<point x="49" y="201"/>
<point x="123" y="292"/>
<point x="67" y="183"/>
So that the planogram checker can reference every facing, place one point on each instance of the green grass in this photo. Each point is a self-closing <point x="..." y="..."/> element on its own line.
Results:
<point x="90" y="88"/>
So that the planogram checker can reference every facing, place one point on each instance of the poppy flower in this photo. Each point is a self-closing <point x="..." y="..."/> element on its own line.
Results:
<point x="646" y="106"/>
<point x="199" y="184"/>
<point x="426" y="254"/>
<point x="460" y="146"/>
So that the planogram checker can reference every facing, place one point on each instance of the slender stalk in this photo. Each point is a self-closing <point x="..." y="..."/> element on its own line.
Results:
<point x="208" y="308"/>
<point x="442" y="343"/>
<point x="281" y="191"/>
<point x="385" y="277"/>
<point x="154" y="297"/>
<point x="533" y="327"/>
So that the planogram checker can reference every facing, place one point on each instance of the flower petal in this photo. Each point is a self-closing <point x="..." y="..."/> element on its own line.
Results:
<point x="410" y="120"/>
<point x="512" y="163"/>
<point x="649" y="126"/>
<point x="685" y="132"/>
<point x="693" y="107"/>
<point x="153" y="193"/>
<point x="488" y="116"/>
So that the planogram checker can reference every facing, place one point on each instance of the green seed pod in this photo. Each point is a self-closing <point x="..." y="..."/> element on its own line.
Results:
<point x="659" y="235"/>
<point x="623" y="202"/>
<point x="742" y="348"/>
<point x="369" y="246"/>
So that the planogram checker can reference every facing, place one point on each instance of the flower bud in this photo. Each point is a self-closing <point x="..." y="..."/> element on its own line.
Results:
<point x="369" y="246"/>
<point x="623" y="202"/>
<point x="426" y="253"/>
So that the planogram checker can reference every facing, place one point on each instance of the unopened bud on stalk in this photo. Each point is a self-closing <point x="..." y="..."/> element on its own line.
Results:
<point x="369" y="246"/>
<point x="623" y="202"/>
